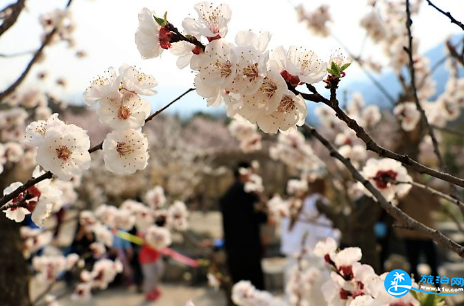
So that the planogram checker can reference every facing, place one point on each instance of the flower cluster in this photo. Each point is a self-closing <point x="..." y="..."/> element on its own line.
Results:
<point x="349" y="282"/>
<point x="108" y="220"/>
<point x="251" y="81"/>
<point x="123" y="110"/>
<point x="315" y="20"/>
<point x="253" y="182"/>
<point x="34" y="239"/>
<point x="103" y="273"/>
<point x="245" y="294"/>
<point x="353" y="283"/>
<point x="292" y="149"/>
<point x="247" y="134"/>
<point x="41" y="200"/>
<point x="48" y="268"/>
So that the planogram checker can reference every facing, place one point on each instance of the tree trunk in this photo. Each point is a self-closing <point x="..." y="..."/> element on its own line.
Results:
<point x="14" y="272"/>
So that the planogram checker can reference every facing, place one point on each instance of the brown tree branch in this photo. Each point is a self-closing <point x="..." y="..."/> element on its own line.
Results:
<point x="434" y="192"/>
<point x="448" y="130"/>
<point x="35" y="57"/>
<point x="48" y="175"/>
<point x="17" y="54"/>
<point x="374" y="81"/>
<point x="371" y="145"/>
<point x="11" y="19"/>
<point x="442" y="165"/>
<point x="454" y="54"/>
<point x="447" y="14"/>
<point x="412" y="73"/>
<point x="403" y="219"/>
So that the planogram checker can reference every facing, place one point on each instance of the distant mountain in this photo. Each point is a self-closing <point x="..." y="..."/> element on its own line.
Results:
<point x="388" y="79"/>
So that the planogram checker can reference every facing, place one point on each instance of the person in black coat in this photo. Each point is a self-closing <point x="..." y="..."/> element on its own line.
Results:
<point x="241" y="224"/>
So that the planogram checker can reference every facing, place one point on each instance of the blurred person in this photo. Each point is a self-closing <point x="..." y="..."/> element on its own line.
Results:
<point x="241" y="226"/>
<point x="122" y="249"/>
<point x="385" y="237"/>
<point x="135" y="263"/>
<point x="151" y="262"/>
<point x="305" y="229"/>
<point x="80" y="245"/>
<point x="419" y="204"/>
<point x="83" y="238"/>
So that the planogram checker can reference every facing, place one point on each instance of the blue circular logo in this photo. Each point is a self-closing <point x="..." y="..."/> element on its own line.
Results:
<point x="397" y="283"/>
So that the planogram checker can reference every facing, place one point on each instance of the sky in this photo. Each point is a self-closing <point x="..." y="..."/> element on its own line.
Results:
<point x="105" y="30"/>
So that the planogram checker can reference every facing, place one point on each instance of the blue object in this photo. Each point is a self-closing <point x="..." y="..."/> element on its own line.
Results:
<point x="380" y="230"/>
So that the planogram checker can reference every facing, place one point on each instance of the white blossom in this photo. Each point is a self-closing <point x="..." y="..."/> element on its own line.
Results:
<point x="408" y="115"/>
<point x="64" y="151"/>
<point x="147" y="37"/>
<point x="298" y="65"/>
<point x="125" y="152"/>
<point x="158" y="237"/>
<point x="383" y="173"/>
<point x="211" y="22"/>
<point x="291" y="112"/>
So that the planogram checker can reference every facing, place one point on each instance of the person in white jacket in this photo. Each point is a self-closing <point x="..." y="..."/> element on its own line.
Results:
<point x="305" y="229"/>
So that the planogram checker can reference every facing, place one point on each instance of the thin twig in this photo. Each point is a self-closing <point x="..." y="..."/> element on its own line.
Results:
<point x="374" y="81"/>
<point x="33" y="60"/>
<point x="434" y="192"/>
<point x="11" y="19"/>
<point x="17" y="53"/>
<point x="403" y="219"/>
<point x="447" y="14"/>
<point x="454" y="54"/>
<point x="47" y="175"/>
<point x="453" y="217"/>
<point x="448" y="130"/>
<point x="442" y="165"/>
<point x="432" y="70"/>
<point x="425" y="121"/>
<point x="371" y="145"/>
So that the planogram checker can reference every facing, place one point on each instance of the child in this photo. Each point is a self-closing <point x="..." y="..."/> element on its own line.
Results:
<point x="152" y="270"/>
<point x="151" y="262"/>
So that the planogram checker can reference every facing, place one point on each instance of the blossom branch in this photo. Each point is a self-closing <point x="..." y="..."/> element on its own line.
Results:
<point x="414" y="90"/>
<point x="447" y="14"/>
<point x="448" y="130"/>
<point x="10" y="20"/>
<point x="403" y="219"/>
<point x="425" y="122"/>
<point x="17" y="54"/>
<point x="48" y="175"/>
<point x="33" y="60"/>
<point x="179" y="36"/>
<point x="454" y="53"/>
<point x="371" y="145"/>
<point x="6" y="198"/>
<point x="359" y="61"/>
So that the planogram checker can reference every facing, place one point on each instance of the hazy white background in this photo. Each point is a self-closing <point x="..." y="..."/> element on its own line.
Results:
<point x="105" y="30"/>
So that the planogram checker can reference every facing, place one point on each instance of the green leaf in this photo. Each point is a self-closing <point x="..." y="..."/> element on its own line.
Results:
<point x="160" y="21"/>
<point x="345" y="66"/>
<point x="336" y="69"/>
<point x="429" y="300"/>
